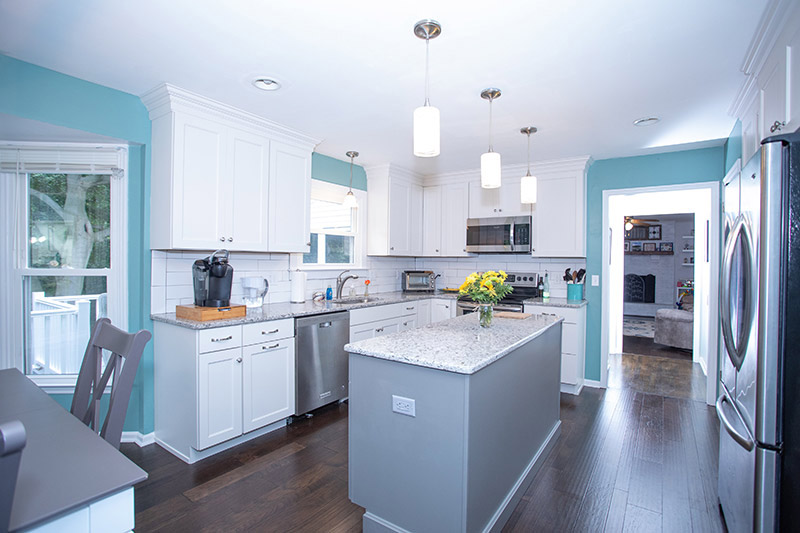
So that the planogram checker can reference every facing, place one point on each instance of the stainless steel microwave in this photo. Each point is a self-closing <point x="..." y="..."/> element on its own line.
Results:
<point x="419" y="281"/>
<point x="499" y="235"/>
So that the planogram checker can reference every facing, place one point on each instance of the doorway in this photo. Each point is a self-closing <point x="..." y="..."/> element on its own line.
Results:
<point x="701" y="202"/>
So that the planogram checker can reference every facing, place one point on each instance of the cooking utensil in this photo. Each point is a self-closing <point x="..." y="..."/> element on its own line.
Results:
<point x="581" y="274"/>
<point x="567" y="275"/>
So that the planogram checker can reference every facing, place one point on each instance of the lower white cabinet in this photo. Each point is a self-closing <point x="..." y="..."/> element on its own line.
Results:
<point x="370" y="322"/>
<point x="573" y="349"/>
<point x="442" y="310"/>
<point x="216" y="387"/>
<point x="423" y="313"/>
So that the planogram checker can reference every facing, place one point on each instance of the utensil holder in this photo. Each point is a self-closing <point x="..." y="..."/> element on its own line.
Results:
<point x="574" y="291"/>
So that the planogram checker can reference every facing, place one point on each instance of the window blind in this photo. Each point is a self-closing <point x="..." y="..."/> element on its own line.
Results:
<point x="59" y="159"/>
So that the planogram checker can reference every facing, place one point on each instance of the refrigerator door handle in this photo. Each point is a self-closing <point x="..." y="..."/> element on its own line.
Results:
<point x="737" y="351"/>
<point x="745" y="441"/>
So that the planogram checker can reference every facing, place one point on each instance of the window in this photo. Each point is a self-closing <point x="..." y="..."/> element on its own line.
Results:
<point x="66" y="217"/>
<point x="335" y="237"/>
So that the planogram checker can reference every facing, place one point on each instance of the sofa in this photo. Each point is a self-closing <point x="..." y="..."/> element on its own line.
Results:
<point x="675" y="327"/>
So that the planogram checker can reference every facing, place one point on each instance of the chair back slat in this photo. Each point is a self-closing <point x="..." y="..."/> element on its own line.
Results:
<point x="126" y="351"/>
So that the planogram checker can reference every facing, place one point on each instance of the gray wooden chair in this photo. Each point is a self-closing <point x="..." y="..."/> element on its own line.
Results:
<point x="12" y="441"/>
<point x="126" y="351"/>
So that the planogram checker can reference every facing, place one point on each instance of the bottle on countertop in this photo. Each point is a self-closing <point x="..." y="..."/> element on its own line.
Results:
<point x="540" y="285"/>
<point x="546" y="289"/>
<point x="329" y="292"/>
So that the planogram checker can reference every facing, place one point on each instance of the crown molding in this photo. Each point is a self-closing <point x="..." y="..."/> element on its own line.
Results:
<point x="395" y="171"/>
<point x="743" y="98"/>
<point x="567" y="165"/>
<point x="167" y="98"/>
<point x="767" y="32"/>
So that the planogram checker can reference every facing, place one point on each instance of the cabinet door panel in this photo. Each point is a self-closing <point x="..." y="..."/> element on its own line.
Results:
<point x="510" y="200"/>
<point x="442" y="310"/>
<point x="361" y="332"/>
<point x="483" y="202"/>
<point x="455" y="205"/>
<point x="432" y="217"/>
<point x="415" y="221"/>
<point x="558" y="217"/>
<point x="267" y="383"/>
<point x="423" y="313"/>
<point x="407" y="322"/>
<point x="219" y="397"/>
<point x="248" y="182"/>
<point x="201" y="203"/>
<point x="289" y="198"/>
<point x="772" y="81"/>
<point x="388" y="327"/>
<point x="399" y="211"/>
<point x="793" y="75"/>
<point x="751" y="128"/>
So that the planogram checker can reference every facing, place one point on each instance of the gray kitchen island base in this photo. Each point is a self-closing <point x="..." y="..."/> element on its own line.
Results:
<point x="464" y="460"/>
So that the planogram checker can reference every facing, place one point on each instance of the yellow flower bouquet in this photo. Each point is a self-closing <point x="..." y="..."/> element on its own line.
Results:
<point x="486" y="289"/>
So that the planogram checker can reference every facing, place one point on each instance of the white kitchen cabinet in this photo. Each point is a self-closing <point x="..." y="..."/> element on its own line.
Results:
<point x="772" y="82"/>
<point x="432" y="217"/>
<point x="377" y="328"/>
<point x="558" y="215"/>
<point x="267" y="383"/>
<point x="573" y="347"/>
<point x="423" y="313"/>
<point x="395" y="205"/>
<point x="501" y="202"/>
<point x="455" y="208"/>
<point x="793" y="77"/>
<point x="407" y="322"/>
<point x="289" y="198"/>
<point x="219" y="395"/>
<point x="379" y="320"/>
<point x="751" y="126"/>
<point x="224" y="178"/>
<point x="217" y="387"/>
<point x="442" y="310"/>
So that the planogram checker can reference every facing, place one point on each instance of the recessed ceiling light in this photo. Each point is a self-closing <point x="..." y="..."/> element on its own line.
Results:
<point x="646" y="121"/>
<point x="266" y="83"/>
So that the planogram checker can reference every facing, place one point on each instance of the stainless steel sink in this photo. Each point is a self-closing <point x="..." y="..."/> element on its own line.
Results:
<point x="355" y="300"/>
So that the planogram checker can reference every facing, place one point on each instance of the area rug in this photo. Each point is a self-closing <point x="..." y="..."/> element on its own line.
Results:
<point x="639" y="327"/>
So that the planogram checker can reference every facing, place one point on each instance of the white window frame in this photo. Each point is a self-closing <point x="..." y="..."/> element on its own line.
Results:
<point x="331" y="192"/>
<point x="117" y="275"/>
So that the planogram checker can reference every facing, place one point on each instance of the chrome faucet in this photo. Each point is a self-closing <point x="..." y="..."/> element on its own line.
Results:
<point x="341" y="281"/>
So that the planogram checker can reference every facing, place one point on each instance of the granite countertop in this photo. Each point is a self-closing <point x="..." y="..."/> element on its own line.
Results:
<point x="556" y="302"/>
<point x="289" y="310"/>
<point x="456" y="345"/>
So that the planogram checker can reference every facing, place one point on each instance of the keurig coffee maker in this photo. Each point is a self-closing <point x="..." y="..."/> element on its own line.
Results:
<point x="213" y="277"/>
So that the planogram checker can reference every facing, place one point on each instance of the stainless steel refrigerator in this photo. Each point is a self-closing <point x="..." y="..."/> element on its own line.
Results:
<point x="759" y="404"/>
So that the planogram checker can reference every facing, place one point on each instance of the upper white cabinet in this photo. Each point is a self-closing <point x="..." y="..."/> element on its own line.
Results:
<point x="432" y="217"/>
<point x="504" y="201"/>
<point x="558" y="215"/>
<point x="445" y="220"/>
<point x="394" y="212"/>
<point x="772" y="82"/>
<point x="224" y="178"/>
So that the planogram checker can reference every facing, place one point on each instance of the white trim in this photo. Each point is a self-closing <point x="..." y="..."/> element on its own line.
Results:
<point x="773" y="19"/>
<point x="570" y="165"/>
<point x="711" y="348"/>
<point x="138" y="438"/>
<point x="593" y="384"/>
<point x="572" y="389"/>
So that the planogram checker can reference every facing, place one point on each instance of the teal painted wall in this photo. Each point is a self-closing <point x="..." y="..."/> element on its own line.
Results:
<point x="674" y="168"/>
<point x="37" y="93"/>
<point x="325" y="168"/>
<point x="733" y="146"/>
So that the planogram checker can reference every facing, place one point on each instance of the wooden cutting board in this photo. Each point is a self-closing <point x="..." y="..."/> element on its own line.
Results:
<point x="205" y="314"/>
<point x="510" y="314"/>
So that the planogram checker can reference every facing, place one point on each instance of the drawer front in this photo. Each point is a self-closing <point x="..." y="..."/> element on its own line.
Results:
<point x="407" y="308"/>
<point x="569" y="338"/>
<point x="215" y="339"/>
<point x="267" y="331"/>
<point x="382" y="312"/>
<point x="569" y="368"/>
<point x="569" y="314"/>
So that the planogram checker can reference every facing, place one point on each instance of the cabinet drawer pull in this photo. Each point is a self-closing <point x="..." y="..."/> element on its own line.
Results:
<point x="378" y="330"/>
<point x="222" y="339"/>
<point x="409" y="308"/>
<point x="271" y="347"/>
<point x="405" y="323"/>
<point x="222" y="239"/>
<point x="238" y="359"/>
<point x="325" y="324"/>
<point x="270" y="332"/>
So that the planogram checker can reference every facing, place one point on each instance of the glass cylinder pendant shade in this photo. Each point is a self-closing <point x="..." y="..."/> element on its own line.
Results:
<point x="528" y="189"/>
<point x="426" y="131"/>
<point x="490" y="170"/>
<point x="350" y="201"/>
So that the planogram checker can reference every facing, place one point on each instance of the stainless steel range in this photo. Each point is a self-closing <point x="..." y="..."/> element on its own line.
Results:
<point x="524" y="288"/>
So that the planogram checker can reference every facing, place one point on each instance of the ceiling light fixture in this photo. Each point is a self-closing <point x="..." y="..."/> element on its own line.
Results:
<point x="426" y="117"/>
<point x="350" y="201"/>
<point x="528" y="184"/>
<point x="266" y="83"/>
<point x="490" y="161"/>
<point x="646" y="121"/>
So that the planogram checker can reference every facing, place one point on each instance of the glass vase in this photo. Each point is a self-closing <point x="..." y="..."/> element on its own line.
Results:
<point x="485" y="315"/>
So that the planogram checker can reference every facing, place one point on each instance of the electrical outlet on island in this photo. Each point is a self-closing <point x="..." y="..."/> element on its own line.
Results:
<point x="404" y="406"/>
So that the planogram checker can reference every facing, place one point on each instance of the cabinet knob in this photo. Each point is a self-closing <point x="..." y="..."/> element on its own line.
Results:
<point x="501" y="210"/>
<point x="308" y="243"/>
<point x="230" y="239"/>
<point x="238" y="359"/>
<point x="222" y="239"/>
<point x="437" y="250"/>
<point x="392" y="248"/>
<point x="378" y="330"/>
<point x="776" y="126"/>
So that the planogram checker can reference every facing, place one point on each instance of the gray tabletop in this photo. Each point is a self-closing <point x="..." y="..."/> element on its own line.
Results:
<point x="65" y="465"/>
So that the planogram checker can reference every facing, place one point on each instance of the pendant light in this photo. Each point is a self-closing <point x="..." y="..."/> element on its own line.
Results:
<point x="350" y="199"/>
<point x="426" y="117"/>
<point x="490" y="161"/>
<point x="528" y="183"/>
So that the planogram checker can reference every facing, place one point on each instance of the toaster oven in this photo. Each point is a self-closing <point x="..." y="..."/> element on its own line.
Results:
<point x="419" y="281"/>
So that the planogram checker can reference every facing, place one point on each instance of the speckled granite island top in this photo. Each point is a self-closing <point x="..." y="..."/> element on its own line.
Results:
<point x="456" y="345"/>
<point x="556" y="302"/>
<point x="289" y="310"/>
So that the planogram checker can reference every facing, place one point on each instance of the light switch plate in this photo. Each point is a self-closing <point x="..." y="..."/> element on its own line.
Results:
<point x="595" y="280"/>
<point x="404" y="406"/>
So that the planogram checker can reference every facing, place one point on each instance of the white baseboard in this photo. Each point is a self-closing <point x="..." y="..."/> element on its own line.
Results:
<point x="137" y="437"/>
<point x="572" y="389"/>
<point x="592" y="384"/>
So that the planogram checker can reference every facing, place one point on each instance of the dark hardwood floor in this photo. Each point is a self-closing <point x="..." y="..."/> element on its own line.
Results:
<point x="628" y="459"/>
<point x="647" y="346"/>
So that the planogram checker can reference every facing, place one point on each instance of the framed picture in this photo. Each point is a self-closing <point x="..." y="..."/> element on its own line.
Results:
<point x="626" y="246"/>
<point x="649" y="247"/>
<point x="636" y="247"/>
<point x="654" y="232"/>
<point x="666" y="247"/>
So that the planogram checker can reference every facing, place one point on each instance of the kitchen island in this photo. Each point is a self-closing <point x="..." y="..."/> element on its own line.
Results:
<point x="450" y="422"/>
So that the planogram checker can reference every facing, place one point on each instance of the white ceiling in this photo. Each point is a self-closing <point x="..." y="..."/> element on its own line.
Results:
<point x="581" y="71"/>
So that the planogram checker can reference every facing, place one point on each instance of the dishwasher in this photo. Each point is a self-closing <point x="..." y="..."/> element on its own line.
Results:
<point x="320" y="360"/>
